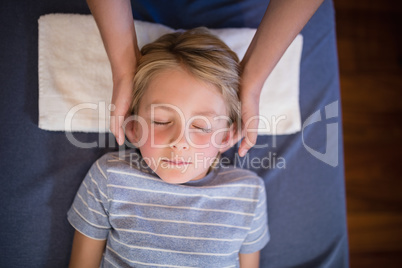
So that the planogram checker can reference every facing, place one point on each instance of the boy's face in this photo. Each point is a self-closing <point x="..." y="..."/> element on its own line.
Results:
<point x="185" y="126"/>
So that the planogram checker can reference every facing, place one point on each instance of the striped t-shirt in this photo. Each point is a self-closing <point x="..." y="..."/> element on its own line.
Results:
<point x="150" y="223"/>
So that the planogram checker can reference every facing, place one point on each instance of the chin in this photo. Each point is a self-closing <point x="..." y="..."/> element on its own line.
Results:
<point x="176" y="176"/>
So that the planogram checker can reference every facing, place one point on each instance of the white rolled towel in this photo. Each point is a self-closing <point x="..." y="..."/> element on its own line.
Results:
<point x="75" y="80"/>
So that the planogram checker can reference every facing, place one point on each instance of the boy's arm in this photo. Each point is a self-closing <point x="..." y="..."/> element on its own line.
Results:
<point x="86" y="252"/>
<point x="116" y="25"/>
<point x="251" y="260"/>
<point x="282" y="21"/>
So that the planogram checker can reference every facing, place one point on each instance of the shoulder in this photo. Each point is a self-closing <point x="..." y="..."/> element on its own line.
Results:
<point x="230" y="174"/>
<point x="240" y="182"/>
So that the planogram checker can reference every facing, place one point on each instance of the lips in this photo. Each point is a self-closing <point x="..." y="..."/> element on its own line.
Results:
<point x="176" y="162"/>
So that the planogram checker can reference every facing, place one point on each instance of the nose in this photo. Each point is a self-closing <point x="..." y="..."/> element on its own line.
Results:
<point x="179" y="146"/>
<point x="180" y="142"/>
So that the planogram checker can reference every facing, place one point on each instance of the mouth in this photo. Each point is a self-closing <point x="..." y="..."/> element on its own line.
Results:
<point x="176" y="162"/>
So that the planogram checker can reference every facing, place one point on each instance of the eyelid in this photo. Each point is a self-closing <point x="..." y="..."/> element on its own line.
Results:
<point x="206" y="130"/>
<point x="160" y="122"/>
<point x="163" y="123"/>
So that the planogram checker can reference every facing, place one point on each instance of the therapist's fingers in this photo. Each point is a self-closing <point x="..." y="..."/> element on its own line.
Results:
<point x="116" y="122"/>
<point x="250" y="121"/>
<point x="121" y="102"/>
<point x="250" y="135"/>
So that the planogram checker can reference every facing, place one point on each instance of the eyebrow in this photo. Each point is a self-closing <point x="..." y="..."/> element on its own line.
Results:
<point x="208" y="113"/>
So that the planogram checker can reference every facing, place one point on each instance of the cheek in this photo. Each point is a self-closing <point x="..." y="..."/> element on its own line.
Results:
<point x="206" y="144"/>
<point x="214" y="139"/>
<point x="146" y="148"/>
<point x="150" y="153"/>
<point x="198" y="139"/>
<point x="159" y="136"/>
<point x="153" y="140"/>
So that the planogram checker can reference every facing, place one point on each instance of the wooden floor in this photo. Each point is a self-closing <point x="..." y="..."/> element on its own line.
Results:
<point x="370" y="54"/>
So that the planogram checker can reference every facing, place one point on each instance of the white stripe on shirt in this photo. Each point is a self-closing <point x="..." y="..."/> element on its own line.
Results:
<point x="181" y="194"/>
<point x="189" y="208"/>
<point x="181" y="222"/>
<point x="181" y="237"/>
<point x="144" y="263"/>
<point x="174" y="251"/>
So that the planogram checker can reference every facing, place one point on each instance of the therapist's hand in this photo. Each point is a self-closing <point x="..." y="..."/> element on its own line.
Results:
<point x="121" y="101"/>
<point x="116" y="26"/>
<point x="250" y="101"/>
<point x="281" y="23"/>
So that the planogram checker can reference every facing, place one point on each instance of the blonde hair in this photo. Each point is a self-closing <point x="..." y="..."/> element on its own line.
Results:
<point x="201" y="54"/>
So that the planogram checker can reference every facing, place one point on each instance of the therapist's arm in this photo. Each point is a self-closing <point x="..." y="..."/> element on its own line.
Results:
<point x="115" y="22"/>
<point x="282" y="21"/>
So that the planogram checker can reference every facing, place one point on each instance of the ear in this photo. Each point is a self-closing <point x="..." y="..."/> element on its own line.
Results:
<point x="229" y="139"/>
<point x="133" y="132"/>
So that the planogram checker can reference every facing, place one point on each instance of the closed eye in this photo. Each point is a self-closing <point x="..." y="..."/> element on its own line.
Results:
<point x="205" y="130"/>
<point x="160" y="123"/>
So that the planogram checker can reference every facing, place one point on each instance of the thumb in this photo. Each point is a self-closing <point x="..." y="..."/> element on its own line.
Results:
<point x="250" y="133"/>
<point x="116" y="123"/>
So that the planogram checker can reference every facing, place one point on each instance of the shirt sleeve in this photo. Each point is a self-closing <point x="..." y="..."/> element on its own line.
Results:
<point x="258" y="236"/>
<point x="89" y="211"/>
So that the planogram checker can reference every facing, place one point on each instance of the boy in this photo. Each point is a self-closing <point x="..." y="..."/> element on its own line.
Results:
<point x="170" y="203"/>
